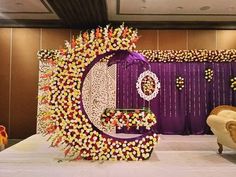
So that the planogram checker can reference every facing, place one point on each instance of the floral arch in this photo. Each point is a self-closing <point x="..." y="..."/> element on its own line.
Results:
<point x="67" y="123"/>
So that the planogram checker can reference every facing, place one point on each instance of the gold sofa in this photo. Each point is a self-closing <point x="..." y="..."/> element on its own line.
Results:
<point x="222" y="121"/>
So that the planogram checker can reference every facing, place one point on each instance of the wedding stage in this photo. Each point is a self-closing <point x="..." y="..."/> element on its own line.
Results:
<point x="113" y="111"/>
<point x="99" y="85"/>
<point x="175" y="155"/>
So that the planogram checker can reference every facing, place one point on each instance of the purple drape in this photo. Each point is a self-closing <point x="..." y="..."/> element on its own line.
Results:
<point x="180" y="112"/>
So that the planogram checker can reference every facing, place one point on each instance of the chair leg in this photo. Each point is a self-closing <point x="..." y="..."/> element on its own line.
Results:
<point x="220" y="148"/>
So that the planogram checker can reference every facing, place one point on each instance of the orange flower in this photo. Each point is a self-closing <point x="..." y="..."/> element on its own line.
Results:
<point x="127" y="125"/>
<point x="3" y="135"/>
<point x="73" y="43"/>
<point x="67" y="151"/>
<point x="58" y="140"/>
<point x="45" y="88"/>
<point x="85" y="36"/>
<point x="45" y="75"/>
<point x="115" y="122"/>
<point x="110" y="33"/>
<point x="46" y="117"/>
<point x="51" y="62"/>
<point x="62" y="51"/>
<point x="98" y="33"/>
<point x="125" y="32"/>
<point x="135" y="39"/>
<point x="51" y="129"/>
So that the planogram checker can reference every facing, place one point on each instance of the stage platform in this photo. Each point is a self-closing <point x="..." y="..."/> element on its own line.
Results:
<point x="174" y="155"/>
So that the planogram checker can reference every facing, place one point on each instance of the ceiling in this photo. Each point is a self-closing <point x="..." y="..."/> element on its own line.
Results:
<point x="138" y="13"/>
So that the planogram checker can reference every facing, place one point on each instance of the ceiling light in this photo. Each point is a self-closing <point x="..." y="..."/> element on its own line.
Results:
<point x="19" y="3"/>
<point x="179" y="8"/>
<point x="205" y="8"/>
<point x="143" y="7"/>
<point x="231" y="8"/>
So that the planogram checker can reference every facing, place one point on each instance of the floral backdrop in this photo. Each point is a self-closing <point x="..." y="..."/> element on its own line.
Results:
<point x="181" y="107"/>
<point x="193" y="83"/>
<point x="191" y="86"/>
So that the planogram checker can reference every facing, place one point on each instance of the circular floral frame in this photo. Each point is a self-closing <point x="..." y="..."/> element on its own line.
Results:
<point x="156" y="87"/>
<point x="70" y="127"/>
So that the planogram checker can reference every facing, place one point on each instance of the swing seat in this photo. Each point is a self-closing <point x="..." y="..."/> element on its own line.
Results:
<point x="129" y="121"/>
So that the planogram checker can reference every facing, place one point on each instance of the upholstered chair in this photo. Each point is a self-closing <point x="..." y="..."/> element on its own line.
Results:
<point x="222" y="121"/>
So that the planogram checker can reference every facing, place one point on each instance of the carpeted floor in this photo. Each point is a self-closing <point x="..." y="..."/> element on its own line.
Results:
<point x="193" y="155"/>
<point x="188" y="143"/>
<point x="175" y="155"/>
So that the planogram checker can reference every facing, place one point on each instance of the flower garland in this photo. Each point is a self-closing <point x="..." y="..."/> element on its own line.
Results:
<point x="209" y="74"/>
<point x="148" y="85"/>
<point x="70" y="127"/>
<point x="233" y="83"/>
<point x="47" y="62"/>
<point x="170" y="55"/>
<point x="119" y="119"/>
<point x="179" y="83"/>
<point x="189" y="55"/>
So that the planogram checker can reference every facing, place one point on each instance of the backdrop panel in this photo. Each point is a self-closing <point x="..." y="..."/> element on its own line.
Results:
<point x="180" y="111"/>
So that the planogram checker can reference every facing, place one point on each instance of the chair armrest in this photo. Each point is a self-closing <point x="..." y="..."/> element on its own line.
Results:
<point x="231" y="127"/>
<point x="227" y="114"/>
<point x="218" y="122"/>
<point x="217" y="109"/>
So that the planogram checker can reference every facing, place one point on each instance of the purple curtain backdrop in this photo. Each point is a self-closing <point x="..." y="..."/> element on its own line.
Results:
<point x="179" y="112"/>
